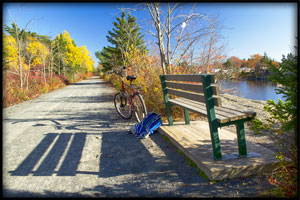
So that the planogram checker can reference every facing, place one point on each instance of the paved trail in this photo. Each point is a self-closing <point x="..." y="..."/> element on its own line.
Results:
<point x="72" y="143"/>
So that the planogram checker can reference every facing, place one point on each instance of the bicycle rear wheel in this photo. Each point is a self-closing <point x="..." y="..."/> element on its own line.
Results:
<point x="140" y="110"/>
<point x="122" y="105"/>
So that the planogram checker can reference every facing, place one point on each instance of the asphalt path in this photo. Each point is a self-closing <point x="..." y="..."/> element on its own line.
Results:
<point x="72" y="143"/>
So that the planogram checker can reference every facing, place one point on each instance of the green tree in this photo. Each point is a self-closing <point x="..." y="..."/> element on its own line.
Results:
<point x="124" y="35"/>
<point x="108" y="58"/>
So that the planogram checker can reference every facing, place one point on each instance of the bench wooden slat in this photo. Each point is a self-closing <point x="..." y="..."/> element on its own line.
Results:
<point x="200" y="110"/>
<point x="187" y="95"/>
<point x="232" y="110"/>
<point x="219" y="114"/>
<point x="192" y="87"/>
<point x="222" y="114"/>
<point x="223" y="111"/>
<point x="233" y="115"/>
<point x="188" y="77"/>
<point x="192" y="96"/>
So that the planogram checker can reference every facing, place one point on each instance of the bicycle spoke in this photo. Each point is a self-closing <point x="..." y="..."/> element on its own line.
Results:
<point x="139" y="107"/>
<point x="122" y="106"/>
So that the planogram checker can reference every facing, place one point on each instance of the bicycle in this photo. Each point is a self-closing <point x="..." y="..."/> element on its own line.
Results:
<point x="126" y="104"/>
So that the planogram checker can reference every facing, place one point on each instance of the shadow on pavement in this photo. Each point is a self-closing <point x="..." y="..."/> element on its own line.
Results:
<point x="47" y="193"/>
<point x="50" y="162"/>
<point x="123" y="153"/>
<point x="90" y="83"/>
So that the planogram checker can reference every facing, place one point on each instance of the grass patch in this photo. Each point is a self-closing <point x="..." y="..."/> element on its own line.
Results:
<point x="189" y="161"/>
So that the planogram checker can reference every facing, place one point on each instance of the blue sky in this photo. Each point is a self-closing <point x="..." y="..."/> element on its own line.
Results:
<point x="252" y="27"/>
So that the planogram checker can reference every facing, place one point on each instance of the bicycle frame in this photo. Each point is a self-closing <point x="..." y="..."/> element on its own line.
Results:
<point x="132" y="91"/>
<point x="125" y="91"/>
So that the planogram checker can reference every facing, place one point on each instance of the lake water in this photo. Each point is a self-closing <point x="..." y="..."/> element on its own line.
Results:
<point x="257" y="90"/>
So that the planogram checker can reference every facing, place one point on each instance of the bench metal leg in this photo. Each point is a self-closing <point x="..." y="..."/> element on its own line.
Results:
<point x="166" y="99"/>
<point x="215" y="142"/>
<point x="186" y="116"/>
<point x="241" y="138"/>
<point x="169" y="114"/>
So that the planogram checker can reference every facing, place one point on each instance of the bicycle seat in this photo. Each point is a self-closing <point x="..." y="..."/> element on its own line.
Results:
<point x="130" y="78"/>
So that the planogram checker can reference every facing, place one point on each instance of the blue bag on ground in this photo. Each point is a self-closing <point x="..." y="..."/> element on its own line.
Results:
<point x="147" y="126"/>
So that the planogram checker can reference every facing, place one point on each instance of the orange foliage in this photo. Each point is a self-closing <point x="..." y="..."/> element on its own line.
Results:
<point x="13" y="94"/>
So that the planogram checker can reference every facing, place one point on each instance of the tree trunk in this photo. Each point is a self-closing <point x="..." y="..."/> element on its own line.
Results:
<point x="44" y="65"/>
<point x="28" y="73"/>
<point x="64" y="69"/>
<point x="51" y="67"/>
<point x="155" y="16"/>
<point x="169" y="42"/>
<point x="162" y="56"/>
<point x="20" y="65"/>
<point x="59" y="67"/>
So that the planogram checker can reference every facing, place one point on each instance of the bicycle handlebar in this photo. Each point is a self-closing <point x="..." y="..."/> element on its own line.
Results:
<point x="120" y="73"/>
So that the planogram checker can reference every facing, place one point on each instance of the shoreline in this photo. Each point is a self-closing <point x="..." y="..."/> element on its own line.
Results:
<point x="244" y="104"/>
<point x="257" y="106"/>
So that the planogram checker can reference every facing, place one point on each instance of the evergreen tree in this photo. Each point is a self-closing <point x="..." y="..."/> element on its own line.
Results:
<point x="124" y="35"/>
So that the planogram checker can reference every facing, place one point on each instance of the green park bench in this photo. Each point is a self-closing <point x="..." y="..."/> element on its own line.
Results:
<point x="200" y="94"/>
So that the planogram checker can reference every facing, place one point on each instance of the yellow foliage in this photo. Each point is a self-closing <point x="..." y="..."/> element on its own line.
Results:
<point x="37" y="61"/>
<point x="25" y="66"/>
<point x="66" y="36"/>
<point x="87" y="61"/>
<point x="11" y="49"/>
<point x="33" y="46"/>
<point x="73" y="55"/>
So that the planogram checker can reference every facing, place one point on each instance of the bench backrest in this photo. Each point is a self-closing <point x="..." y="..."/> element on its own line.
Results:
<point x="195" y="87"/>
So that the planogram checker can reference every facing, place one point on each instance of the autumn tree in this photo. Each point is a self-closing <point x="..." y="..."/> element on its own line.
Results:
<point x="254" y="60"/>
<point x="212" y="53"/>
<point x="236" y="62"/>
<point x="87" y="62"/>
<point x="22" y="40"/>
<point x="32" y="55"/>
<point x="10" y="53"/>
<point x="172" y="23"/>
<point x="23" y="50"/>
<point x="19" y="36"/>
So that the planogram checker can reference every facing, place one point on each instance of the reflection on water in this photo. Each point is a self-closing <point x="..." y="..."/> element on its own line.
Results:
<point x="257" y="90"/>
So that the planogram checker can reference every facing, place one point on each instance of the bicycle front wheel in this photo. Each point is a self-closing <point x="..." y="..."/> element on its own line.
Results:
<point x="140" y="110"/>
<point x="122" y="105"/>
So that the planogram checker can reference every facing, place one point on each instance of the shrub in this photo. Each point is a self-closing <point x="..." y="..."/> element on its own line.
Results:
<point x="282" y="126"/>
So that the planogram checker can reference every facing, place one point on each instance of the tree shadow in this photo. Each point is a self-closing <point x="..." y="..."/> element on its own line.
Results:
<point x="49" y="163"/>
<point x="123" y="153"/>
<point x="154" y="174"/>
<point x="92" y="83"/>
<point x="25" y="194"/>
<point x="87" y="120"/>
